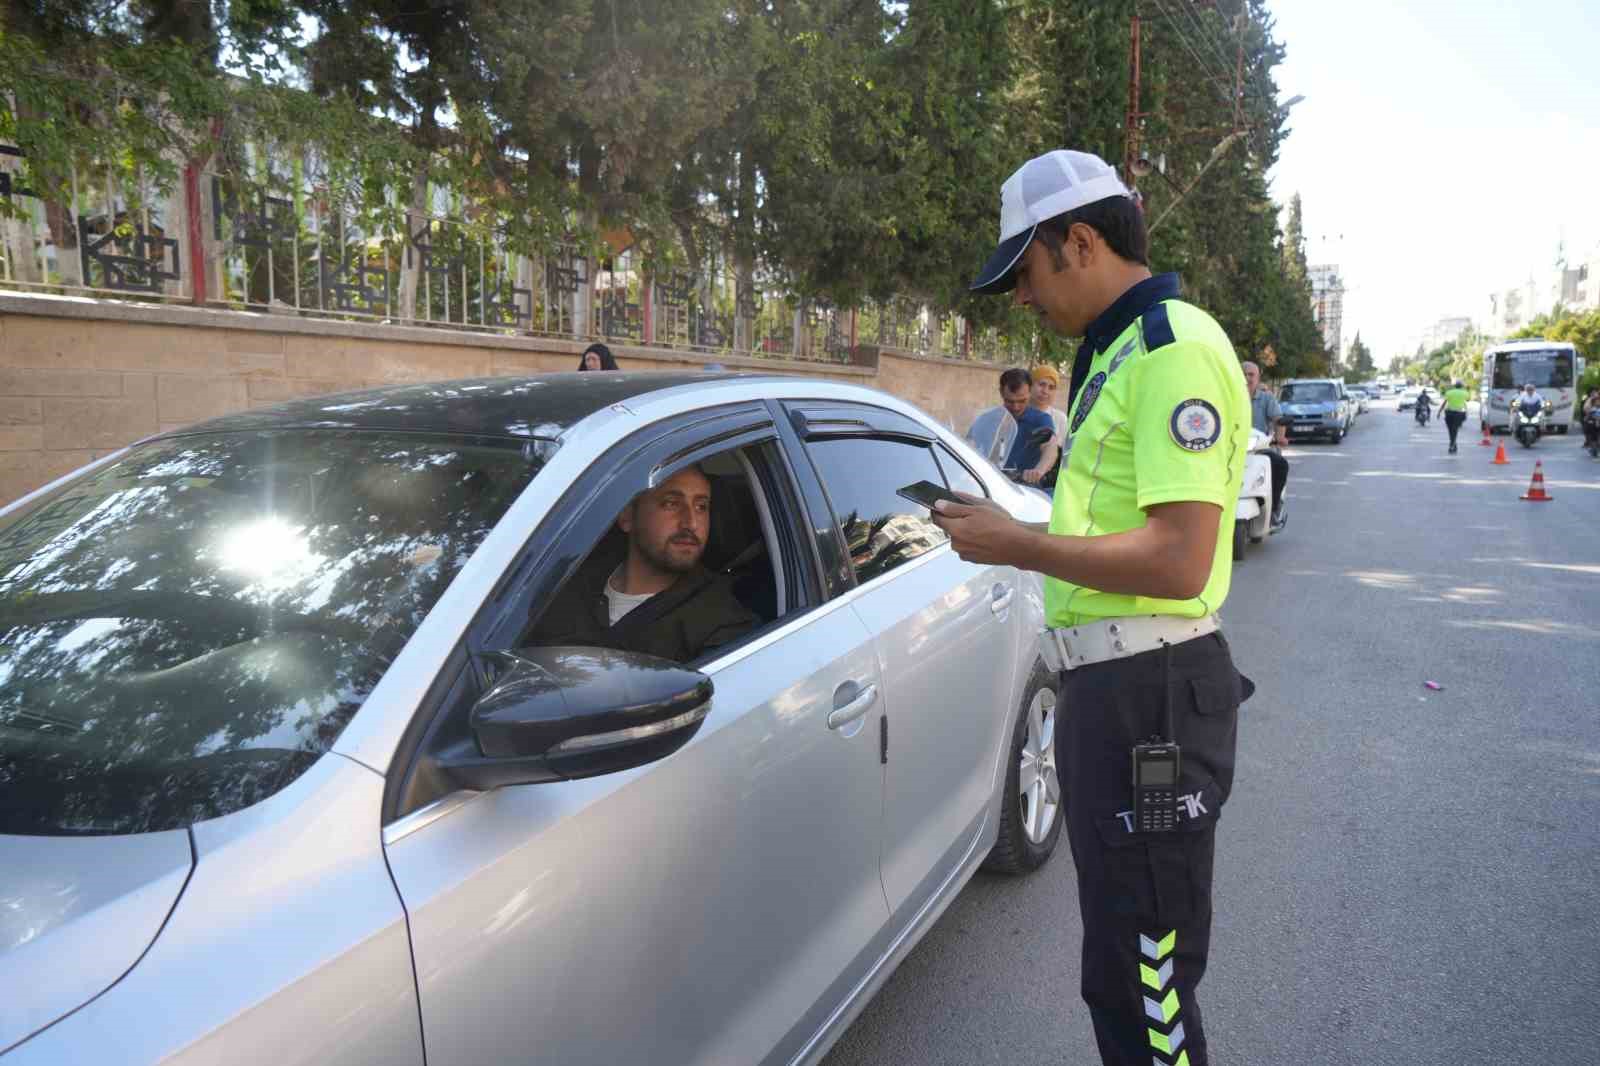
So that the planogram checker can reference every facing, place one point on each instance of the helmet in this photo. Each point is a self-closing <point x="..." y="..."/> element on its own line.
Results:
<point x="1456" y="384"/>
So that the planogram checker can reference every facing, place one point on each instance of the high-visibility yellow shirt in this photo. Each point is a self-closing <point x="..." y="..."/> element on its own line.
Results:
<point x="1455" y="399"/>
<point x="1163" y="417"/>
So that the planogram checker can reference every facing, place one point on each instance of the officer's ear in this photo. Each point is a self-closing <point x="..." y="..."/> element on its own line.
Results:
<point x="1083" y="244"/>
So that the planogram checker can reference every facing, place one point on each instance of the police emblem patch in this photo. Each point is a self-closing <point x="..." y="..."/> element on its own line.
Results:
<point x="1091" y="393"/>
<point x="1195" y="425"/>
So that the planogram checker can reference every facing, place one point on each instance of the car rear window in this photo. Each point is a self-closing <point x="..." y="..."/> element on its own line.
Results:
<point x="185" y="630"/>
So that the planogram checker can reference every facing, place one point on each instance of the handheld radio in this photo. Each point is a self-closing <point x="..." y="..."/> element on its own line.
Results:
<point x="1155" y="787"/>
<point x="1156" y="766"/>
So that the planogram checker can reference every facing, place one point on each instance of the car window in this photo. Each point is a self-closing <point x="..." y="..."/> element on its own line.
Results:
<point x="957" y="476"/>
<point x="185" y="630"/>
<point x="882" y="529"/>
<point x="684" y="570"/>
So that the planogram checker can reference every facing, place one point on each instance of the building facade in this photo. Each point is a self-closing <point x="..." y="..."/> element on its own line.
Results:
<point x="1444" y="331"/>
<point x="1327" y="304"/>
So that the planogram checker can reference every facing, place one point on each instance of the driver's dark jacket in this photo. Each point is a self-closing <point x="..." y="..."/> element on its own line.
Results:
<point x="698" y="613"/>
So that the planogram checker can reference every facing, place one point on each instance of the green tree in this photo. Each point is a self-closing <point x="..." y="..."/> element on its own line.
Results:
<point x="1361" y="364"/>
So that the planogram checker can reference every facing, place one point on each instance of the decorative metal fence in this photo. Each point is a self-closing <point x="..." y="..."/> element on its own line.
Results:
<point x="278" y="242"/>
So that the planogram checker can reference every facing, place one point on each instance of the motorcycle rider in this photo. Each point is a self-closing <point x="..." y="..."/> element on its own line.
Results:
<point x="1591" y="421"/>
<point x="1454" y="409"/>
<point x="1424" y="407"/>
<point x="1267" y="416"/>
<point x="1529" y="400"/>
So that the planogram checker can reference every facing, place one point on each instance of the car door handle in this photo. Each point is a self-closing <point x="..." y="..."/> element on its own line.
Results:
<point x="843" y="716"/>
<point x="1003" y="595"/>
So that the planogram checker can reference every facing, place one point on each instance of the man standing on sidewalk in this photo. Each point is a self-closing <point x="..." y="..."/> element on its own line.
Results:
<point x="1137" y="561"/>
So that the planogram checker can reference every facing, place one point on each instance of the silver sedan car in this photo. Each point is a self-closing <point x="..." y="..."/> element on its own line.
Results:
<point x="288" y="780"/>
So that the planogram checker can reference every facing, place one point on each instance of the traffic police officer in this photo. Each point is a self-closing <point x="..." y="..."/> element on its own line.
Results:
<point x="1137" y="560"/>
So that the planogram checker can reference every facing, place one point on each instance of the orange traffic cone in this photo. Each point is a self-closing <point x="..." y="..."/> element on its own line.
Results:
<point x="1500" y="456"/>
<point x="1486" y="442"/>
<point x="1536" y="489"/>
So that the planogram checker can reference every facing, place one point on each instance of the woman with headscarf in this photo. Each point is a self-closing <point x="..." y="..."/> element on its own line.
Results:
<point x="597" y="357"/>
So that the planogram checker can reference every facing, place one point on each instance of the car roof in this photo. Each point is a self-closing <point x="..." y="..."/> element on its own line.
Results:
<point x="541" y="406"/>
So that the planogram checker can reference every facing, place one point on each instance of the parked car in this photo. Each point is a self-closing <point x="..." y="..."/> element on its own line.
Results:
<point x="1315" y="407"/>
<point x="287" y="780"/>
<point x="1360" y="397"/>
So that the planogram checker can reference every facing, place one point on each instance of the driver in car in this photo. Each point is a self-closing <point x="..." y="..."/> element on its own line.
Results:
<point x="660" y="600"/>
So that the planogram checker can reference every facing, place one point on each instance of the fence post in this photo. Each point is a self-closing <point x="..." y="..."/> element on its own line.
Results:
<point x="197" y="247"/>
<point x="647" y="301"/>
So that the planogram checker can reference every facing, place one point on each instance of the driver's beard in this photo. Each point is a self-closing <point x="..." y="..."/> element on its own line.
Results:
<point x="663" y="563"/>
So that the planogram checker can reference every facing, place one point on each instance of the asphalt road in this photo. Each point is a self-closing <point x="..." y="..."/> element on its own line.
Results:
<point x="1404" y="876"/>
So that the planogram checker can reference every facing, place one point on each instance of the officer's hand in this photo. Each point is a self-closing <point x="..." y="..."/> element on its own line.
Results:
<point x="980" y="531"/>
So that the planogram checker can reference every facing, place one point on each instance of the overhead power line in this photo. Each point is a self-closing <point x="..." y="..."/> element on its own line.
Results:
<point x="1211" y="76"/>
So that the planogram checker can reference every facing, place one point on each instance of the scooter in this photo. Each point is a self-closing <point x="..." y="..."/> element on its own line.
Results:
<point x="1528" y="427"/>
<point x="1039" y="437"/>
<point x="1252" y="515"/>
<point x="1424" y="410"/>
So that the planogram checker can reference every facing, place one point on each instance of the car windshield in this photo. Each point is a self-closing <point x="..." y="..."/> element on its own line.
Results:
<point x="1542" y="369"/>
<point x="186" y="629"/>
<point x="1309" y="392"/>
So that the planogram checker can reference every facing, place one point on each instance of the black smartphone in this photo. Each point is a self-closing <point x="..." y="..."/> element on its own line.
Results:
<point x="926" y="494"/>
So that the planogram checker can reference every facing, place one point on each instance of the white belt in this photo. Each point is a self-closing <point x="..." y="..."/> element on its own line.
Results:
<point x="1119" y="638"/>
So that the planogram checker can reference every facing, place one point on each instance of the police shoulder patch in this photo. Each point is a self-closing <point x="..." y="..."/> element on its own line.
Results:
<point x="1195" y="425"/>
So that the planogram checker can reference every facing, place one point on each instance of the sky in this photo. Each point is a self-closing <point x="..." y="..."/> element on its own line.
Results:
<point x="1443" y="150"/>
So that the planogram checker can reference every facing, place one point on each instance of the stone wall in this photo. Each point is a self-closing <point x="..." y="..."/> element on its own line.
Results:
<point x="80" y="378"/>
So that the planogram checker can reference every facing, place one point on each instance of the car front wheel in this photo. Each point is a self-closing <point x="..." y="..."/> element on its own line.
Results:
<point x="1031" y="811"/>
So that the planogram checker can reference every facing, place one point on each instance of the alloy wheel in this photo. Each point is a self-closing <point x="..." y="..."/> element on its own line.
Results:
<point x="1037" y="781"/>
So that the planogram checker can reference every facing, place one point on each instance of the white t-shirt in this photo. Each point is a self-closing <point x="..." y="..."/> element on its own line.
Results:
<point x="1059" y="417"/>
<point x="620" y="603"/>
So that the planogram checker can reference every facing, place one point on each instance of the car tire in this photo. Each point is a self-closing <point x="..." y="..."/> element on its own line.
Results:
<point x="1024" y="846"/>
<point x="1336" y="436"/>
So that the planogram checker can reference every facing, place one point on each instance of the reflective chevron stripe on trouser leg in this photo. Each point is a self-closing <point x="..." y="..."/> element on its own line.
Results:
<point x="1161" y="1000"/>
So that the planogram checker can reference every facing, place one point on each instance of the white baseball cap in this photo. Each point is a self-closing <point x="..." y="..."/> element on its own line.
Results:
<point x="1042" y="188"/>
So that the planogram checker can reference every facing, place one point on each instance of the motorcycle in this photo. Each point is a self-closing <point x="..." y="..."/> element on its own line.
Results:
<point x="1424" y="409"/>
<point x="1591" y="425"/>
<point x="1528" y="425"/>
<point x="1252" y="515"/>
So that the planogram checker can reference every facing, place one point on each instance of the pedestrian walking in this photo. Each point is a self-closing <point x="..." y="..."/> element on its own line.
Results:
<point x="1137" y="560"/>
<point x="1454" y="409"/>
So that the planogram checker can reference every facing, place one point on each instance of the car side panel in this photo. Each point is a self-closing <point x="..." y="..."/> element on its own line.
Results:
<point x="690" y="911"/>
<point x="947" y="640"/>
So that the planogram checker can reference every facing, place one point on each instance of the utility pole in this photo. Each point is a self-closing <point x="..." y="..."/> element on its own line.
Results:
<point x="1130" y="154"/>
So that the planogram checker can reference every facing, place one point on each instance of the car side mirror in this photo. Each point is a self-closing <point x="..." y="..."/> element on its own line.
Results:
<point x="563" y="713"/>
